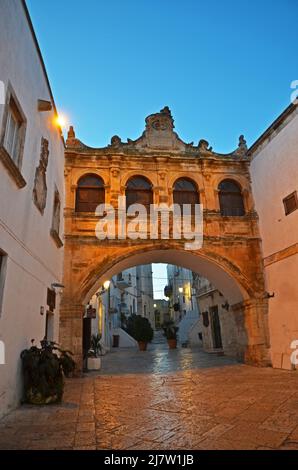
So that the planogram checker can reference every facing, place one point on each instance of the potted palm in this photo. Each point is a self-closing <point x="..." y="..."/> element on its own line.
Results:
<point x="170" y="332"/>
<point x="140" y="329"/>
<point x="44" y="369"/>
<point x="94" y="353"/>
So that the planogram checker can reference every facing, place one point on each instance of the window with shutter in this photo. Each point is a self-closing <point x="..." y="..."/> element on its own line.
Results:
<point x="90" y="193"/>
<point x="139" y="191"/>
<point x="230" y="199"/>
<point x="185" y="192"/>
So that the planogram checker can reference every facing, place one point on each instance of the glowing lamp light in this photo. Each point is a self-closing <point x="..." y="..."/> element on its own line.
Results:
<point x="60" y="121"/>
<point x="106" y="284"/>
<point x="180" y="290"/>
<point x="154" y="305"/>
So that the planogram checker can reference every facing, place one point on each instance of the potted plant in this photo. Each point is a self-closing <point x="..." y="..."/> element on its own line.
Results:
<point x="140" y="329"/>
<point x="94" y="361"/>
<point x="44" y="369"/>
<point x="170" y="332"/>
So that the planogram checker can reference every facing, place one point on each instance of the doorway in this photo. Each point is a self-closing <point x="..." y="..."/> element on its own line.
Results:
<point x="215" y="327"/>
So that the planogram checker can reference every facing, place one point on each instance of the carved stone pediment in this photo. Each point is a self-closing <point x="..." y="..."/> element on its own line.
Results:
<point x="159" y="133"/>
<point x="40" y="184"/>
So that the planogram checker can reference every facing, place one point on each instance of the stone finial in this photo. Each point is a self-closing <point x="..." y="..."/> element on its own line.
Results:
<point x="204" y="146"/>
<point x="166" y="110"/>
<point x="71" y="133"/>
<point x="242" y="147"/>
<point x="115" y="141"/>
<point x="71" y="140"/>
<point x="242" y="142"/>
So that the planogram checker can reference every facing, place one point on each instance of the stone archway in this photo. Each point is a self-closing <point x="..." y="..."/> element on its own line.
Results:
<point x="102" y="262"/>
<point x="231" y="255"/>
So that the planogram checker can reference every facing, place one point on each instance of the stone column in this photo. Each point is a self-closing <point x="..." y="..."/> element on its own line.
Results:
<point x="114" y="187"/>
<point x="71" y="331"/>
<point x="251" y="318"/>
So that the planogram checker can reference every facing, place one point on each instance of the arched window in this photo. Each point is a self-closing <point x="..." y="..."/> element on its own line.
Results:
<point x="90" y="193"/>
<point x="230" y="198"/>
<point x="139" y="191"/>
<point x="185" y="192"/>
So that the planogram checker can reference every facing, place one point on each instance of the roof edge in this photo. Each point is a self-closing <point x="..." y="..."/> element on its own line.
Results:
<point x="31" y="27"/>
<point x="273" y="127"/>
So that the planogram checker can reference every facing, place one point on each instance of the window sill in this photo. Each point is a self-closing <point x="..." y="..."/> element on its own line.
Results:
<point x="12" y="168"/>
<point x="56" y="238"/>
<point x="84" y="214"/>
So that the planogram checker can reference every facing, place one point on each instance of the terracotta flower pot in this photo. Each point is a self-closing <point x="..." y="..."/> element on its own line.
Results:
<point x="142" y="345"/>
<point x="172" y="343"/>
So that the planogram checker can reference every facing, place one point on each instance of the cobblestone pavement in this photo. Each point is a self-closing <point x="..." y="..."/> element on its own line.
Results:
<point x="163" y="399"/>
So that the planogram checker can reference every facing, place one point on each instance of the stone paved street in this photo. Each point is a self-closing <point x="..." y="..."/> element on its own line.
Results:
<point x="163" y="399"/>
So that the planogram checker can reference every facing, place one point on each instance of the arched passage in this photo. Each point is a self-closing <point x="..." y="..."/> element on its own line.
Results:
<point x="248" y="305"/>
<point x="235" y="290"/>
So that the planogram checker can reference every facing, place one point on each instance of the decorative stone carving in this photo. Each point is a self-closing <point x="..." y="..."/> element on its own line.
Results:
<point x="40" y="184"/>
<point x="72" y="141"/>
<point x="159" y="133"/>
<point x="242" y="147"/>
<point x="115" y="141"/>
<point x="115" y="172"/>
<point x="204" y="146"/>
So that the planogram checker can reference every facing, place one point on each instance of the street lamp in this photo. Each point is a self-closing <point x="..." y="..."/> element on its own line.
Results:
<point x="106" y="284"/>
<point x="180" y="290"/>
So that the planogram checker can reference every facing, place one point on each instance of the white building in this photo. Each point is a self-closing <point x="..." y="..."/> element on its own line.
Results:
<point x="183" y="304"/>
<point x="180" y="283"/>
<point x="145" y="292"/>
<point x="217" y="328"/>
<point x="32" y="199"/>
<point x="274" y="173"/>
<point x="161" y="312"/>
<point x="129" y="292"/>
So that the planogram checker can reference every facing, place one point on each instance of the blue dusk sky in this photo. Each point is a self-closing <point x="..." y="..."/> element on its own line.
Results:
<point x="224" y="67"/>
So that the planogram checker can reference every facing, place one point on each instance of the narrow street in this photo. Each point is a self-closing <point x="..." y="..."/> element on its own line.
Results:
<point x="161" y="399"/>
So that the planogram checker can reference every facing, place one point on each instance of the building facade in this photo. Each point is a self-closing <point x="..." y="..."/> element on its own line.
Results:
<point x="180" y="291"/>
<point x="32" y="199"/>
<point x="274" y="174"/>
<point x="217" y="328"/>
<point x="129" y="292"/>
<point x="161" y="312"/>
<point x="159" y="167"/>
